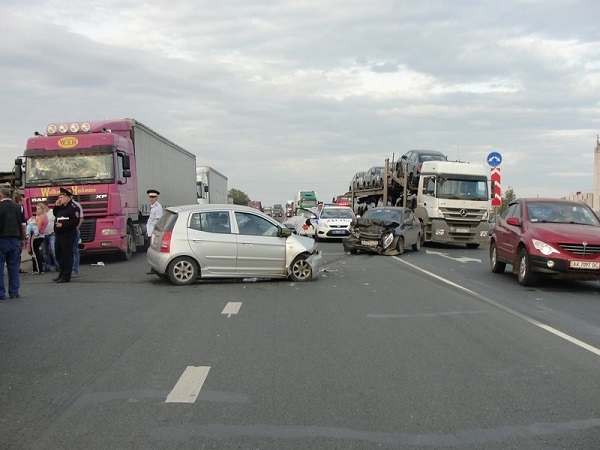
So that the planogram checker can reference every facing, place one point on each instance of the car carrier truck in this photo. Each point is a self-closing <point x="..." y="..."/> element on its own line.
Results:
<point x="452" y="203"/>
<point x="109" y="164"/>
<point x="451" y="200"/>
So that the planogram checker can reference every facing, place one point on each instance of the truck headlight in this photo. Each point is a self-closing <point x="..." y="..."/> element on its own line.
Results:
<point x="109" y="231"/>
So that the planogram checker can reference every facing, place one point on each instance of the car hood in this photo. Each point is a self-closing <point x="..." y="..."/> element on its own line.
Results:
<point x="565" y="232"/>
<point x="374" y="226"/>
<point x="297" y="244"/>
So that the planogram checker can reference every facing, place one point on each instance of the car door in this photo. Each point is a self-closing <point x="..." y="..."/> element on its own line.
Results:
<point x="507" y="236"/>
<point x="213" y="243"/>
<point x="260" y="249"/>
<point x="413" y="227"/>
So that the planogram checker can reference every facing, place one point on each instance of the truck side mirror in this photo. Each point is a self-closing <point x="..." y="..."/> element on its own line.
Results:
<point x="126" y="173"/>
<point x="492" y="190"/>
<point x="205" y="188"/>
<point x="18" y="171"/>
<point x="126" y="165"/>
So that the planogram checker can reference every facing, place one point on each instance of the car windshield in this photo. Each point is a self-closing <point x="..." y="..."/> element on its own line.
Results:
<point x="383" y="214"/>
<point x="561" y="213"/>
<point x="336" y="214"/>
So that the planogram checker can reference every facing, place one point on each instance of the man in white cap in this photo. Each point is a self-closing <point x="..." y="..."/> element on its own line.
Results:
<point x="156" y="211"/>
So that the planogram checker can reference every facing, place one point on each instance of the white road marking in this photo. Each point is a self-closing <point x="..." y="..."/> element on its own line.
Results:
<point x="489" y="301"/>
<point x="232" y="308"/>
<point x="462" y="259"/>
<point x="188" y="387"/>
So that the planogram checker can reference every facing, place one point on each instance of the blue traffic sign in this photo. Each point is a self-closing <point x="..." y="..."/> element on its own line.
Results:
<point x="494" y="159"/>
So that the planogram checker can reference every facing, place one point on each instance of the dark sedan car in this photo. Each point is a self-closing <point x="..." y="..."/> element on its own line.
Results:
<point x="412" y="162"/>
<point x="548" y="237"/>
<point x="387" y="230"/>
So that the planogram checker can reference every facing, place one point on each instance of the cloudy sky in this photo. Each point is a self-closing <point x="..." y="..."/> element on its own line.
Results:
<point x="283" y="95"/>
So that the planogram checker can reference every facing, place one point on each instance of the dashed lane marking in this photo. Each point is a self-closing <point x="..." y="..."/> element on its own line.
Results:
<point x="188" y="387"/>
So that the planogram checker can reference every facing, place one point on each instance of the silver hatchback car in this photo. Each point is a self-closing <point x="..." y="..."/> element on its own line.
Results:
<point x="228" y="241"/>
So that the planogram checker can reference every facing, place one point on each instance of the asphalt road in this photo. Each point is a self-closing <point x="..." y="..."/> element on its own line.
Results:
<point x="426" y="350"/>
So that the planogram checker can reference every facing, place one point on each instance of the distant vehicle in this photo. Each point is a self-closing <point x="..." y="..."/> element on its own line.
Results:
<point x="358" y="181"/>
<point x="228" y="241"/>
<point x="334" y="222"/>
<point x="552" y="238"/>
<point x="386" y="230"/>
<point x="256" y="205"/>
<point x="342" y="200"/>
<point x="268" y="210"/>
<point x="413" y="160"/>
<point x="305" y="200"/>
<point x="278" y="210"/>
<point x="211" y="185"/>
<point x="373" y="177"/>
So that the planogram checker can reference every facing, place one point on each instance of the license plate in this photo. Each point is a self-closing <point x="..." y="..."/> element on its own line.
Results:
<point x="462" y="230"/>
<point x="338" y="232"/>
<point x="369" y="243"/>
<point x="584" y="265"/>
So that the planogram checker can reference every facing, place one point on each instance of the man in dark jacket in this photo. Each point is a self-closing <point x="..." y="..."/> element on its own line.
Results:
<point x="66" y="220"/>
<point x="12" y="233"/>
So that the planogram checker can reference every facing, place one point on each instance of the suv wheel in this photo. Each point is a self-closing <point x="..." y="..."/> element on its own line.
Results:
<point x="524" y="273"/>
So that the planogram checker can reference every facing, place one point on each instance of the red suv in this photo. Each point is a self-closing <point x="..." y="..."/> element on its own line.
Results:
<point x="547" y="237"/>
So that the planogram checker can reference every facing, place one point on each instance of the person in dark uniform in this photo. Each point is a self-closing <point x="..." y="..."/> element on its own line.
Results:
<point x="66" y="220"/>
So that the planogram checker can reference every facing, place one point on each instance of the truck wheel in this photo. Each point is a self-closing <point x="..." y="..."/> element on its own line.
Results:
<point x="182" y="270"/>
<point x="525" y="275"/>
<point x="496" y="266"/>
<point x="128" y="253"/>
<point x="301" y="269"/>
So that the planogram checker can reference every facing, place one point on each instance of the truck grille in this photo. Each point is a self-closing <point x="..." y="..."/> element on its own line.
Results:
<point x="88" y="229"/>
<point x="91" y="205"/>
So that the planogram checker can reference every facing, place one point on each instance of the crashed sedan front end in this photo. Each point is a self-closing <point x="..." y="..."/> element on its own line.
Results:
<point x="372" y="235"/>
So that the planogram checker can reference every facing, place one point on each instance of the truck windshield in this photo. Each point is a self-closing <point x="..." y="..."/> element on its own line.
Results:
<point x="88" y="168"/>
<point x="463" y="189"/>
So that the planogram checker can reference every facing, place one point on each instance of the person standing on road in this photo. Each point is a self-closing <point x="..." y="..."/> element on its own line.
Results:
<point x="77" y="239"/>
<point x="36" y="239"/>
<point x="49" y="242"/>
<point x="12" y="236"/>
<point x="156" y="211"/>
<point x="19" y="200"/>
<point x="66" y="219"/>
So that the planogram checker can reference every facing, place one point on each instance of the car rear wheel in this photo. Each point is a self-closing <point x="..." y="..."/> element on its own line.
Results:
<point x="301" y="269"/>
<point x="497" y="267"/>
<point x="525" y="275"/>
<point x="417" y="245"/>
<point x="400" y="245"/>
<point x="182" y="270"/>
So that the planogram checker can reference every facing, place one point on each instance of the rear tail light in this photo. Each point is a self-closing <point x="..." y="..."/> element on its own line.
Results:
<point x="165" y="242"/>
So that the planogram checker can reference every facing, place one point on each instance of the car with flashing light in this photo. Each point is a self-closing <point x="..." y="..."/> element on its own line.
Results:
<point x="412" y="162"/>
<point x="333" y="222"/>
<point x="385" y="230"/>
<point x="197" y="242"/>
<point x="546" y="237"/>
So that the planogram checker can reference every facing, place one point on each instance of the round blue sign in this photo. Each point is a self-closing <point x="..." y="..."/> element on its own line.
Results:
<point x="494" y="159"/>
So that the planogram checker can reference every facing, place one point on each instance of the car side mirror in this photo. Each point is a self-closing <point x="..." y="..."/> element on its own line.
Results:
<point x="285" y="232"/>
<point x="514" y="221"/>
